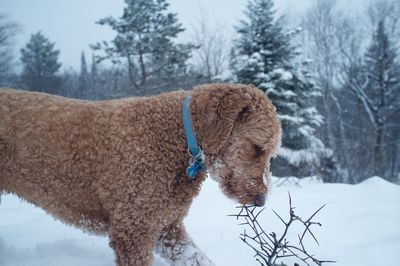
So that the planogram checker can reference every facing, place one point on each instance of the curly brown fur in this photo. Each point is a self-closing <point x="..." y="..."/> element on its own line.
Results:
<point x="118" y="167"/>
<point x="240" y="130"/>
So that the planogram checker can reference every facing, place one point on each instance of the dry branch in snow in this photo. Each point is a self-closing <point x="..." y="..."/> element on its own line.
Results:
<point x="271" y="248"/>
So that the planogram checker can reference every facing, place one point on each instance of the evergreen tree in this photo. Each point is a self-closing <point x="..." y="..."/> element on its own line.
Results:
<point x="145" y="44"/>
<point x="40" y="64"/>
<point x="84" y="80"/>
<point x="264" y="56"/>
<point x="95" y="79"/>
<point x="94" y="72"/>
<point x="261" y="46"/>
<point x="380" y="96"/>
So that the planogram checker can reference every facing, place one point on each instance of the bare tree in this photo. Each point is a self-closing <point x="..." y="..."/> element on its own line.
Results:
<point x="324" y="26"/>
<point x="319" y="25"/>
<point x="212" y="56"/>
<point x="8" y="30"/>
<point x="349" y="39"/>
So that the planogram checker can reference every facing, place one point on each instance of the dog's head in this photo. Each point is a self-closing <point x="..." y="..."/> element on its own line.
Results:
<point x="239" y="130"/>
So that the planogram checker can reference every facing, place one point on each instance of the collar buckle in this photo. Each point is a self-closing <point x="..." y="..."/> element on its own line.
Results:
<point x="195" y="164"/>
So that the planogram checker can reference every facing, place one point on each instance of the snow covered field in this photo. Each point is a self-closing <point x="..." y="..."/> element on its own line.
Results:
<point x="360" y="226"/>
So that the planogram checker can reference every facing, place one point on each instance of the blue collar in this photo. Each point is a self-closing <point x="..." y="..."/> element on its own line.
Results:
<point x="196" y="163"/>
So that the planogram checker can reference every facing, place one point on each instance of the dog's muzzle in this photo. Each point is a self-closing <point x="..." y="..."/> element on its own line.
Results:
<point x="259" y="200"/>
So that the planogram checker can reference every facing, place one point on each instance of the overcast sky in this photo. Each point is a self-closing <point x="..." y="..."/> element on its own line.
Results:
<point x="71" y="23"/>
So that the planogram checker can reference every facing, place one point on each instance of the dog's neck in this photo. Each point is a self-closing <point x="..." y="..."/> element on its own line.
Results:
<point x="196" y="163"/>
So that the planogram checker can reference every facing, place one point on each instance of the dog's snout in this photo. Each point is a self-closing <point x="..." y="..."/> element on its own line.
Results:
<point x="259" y="200"/>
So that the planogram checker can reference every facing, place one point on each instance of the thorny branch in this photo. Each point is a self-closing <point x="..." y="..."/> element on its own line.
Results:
<point x="270" y="248"/>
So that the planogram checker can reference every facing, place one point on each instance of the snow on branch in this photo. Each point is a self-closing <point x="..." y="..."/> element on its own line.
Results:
<point x="271" y="248"/>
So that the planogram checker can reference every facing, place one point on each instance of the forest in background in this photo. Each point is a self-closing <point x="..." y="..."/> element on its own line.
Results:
<point x="333" y="75"/>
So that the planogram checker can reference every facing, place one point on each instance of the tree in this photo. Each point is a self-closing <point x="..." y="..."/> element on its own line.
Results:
<point x="94" y="72"/>
<point x="263" y="55"/>
<point x="377" y="87"/>
<point x="69" y="79"/>
<point x="84" y="80"/>
<point x="212" y="54"/>
<point x="320" y="24"/>
<point x="349" y="130"/>
<point x="261" y="46"/>
<point x="371" y="81"/>
<point x="145" y="44"/>
<point x="333" y="41"/>
<point x="40" y="64"/>
<point x="387" y="11"/>
<point x="95" y="79"/>
<point x="8" y="30"/>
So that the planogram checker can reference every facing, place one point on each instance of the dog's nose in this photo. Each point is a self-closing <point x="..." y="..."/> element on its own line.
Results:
<point x="259" y="200"/>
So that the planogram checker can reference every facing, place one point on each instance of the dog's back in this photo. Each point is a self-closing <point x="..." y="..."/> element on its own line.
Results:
<point x="78" y="160"/>
<point x="46" y="143"/>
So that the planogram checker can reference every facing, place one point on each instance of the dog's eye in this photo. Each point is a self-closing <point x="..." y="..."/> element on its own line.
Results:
<point x="243" y="113"/>
<point x="259" y="151"/>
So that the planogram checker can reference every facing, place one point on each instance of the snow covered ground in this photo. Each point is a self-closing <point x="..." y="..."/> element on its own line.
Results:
<point x="360" y="226"/>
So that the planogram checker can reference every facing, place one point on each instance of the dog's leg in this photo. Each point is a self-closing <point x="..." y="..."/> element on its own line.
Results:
<point x="177" y="248"/>
<point x="133" y="246"/>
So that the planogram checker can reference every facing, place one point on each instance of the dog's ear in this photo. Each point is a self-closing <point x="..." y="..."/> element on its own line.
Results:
<point x="216" y="108"/>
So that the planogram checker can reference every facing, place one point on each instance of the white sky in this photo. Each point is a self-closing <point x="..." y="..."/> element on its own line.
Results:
<point x="71" y="23"/>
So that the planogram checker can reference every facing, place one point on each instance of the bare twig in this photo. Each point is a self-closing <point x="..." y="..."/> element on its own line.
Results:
<point x="270" y="248"/>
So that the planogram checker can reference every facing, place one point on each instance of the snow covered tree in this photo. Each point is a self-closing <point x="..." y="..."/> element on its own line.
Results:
<point x="264" y="56"/>
<point x="293" y="92"/>
<point x="40" y="64"/>
<point x="145" y="44"/>
<point x="262" y="46"/>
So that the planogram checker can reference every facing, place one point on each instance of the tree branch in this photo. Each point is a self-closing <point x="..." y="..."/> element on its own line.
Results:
<point x="270" y="248"/>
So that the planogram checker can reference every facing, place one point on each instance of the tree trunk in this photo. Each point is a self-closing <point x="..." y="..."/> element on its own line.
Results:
<point x="377" y="154"/>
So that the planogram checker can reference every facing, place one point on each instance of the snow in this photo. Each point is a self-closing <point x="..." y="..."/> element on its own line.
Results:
<point x="284" y="75"/>
<point x="293" y="119"/>
<point x="359" y="227"/>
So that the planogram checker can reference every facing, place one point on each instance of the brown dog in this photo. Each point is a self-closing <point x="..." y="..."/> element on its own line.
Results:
<point x="118" y="167"/>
